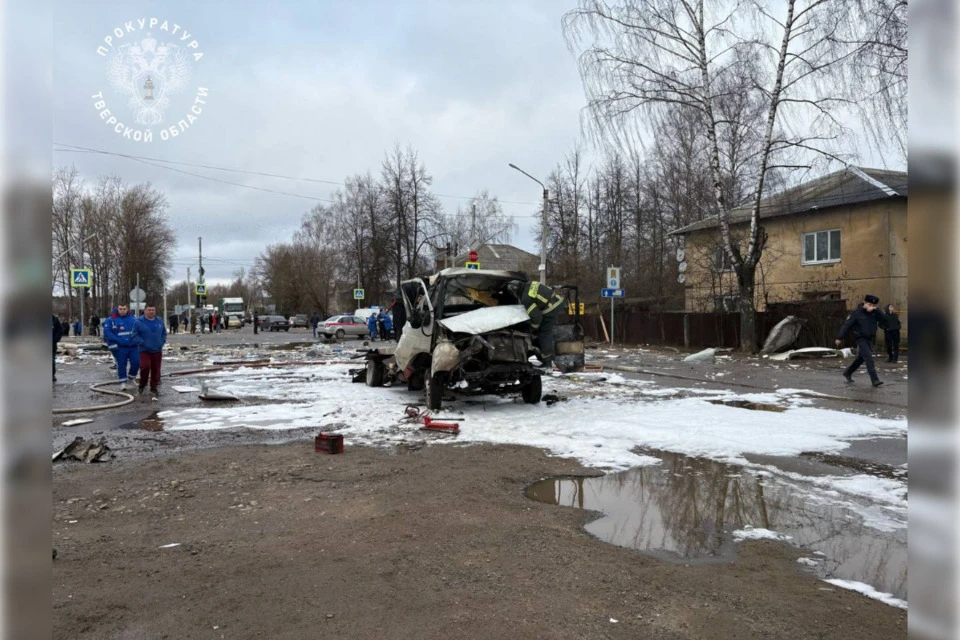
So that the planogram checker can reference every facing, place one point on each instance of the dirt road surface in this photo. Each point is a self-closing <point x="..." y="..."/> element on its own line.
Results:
<point x="278" y="542"/>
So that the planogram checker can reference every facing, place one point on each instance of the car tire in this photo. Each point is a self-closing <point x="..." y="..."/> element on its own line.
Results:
<point x="374" y="373"/>
<point x="434" y="387"/>
<point x="416" y="381"/>
<point x="340" y="334"/>
<point x="533" y="390"/>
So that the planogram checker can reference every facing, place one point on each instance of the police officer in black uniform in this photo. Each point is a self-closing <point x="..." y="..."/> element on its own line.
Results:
<point x="891" y="335"/>
<point x="864" y="321"/>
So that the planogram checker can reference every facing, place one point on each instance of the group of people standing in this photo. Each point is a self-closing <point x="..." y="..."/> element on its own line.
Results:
<point x="380" y="324"/>
<point x="136" y="344"/>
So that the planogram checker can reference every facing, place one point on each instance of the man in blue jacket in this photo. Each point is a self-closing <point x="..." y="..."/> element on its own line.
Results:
<point x="150" y="334"/>
<point x="118" y="334"/>
<point x="372" y="326"/>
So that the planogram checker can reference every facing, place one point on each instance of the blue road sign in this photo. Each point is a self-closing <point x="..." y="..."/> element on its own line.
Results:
<point x="79" y="277"/>
<point x="358" y="294"/>
<point x="612" y="293"/>
<point x="201" y="289"/>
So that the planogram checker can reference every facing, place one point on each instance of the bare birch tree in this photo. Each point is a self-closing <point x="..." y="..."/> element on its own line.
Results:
<point x="646" y="54"/>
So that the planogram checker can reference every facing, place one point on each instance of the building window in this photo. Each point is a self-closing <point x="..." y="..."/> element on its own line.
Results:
<point x="721" y="261"/>
<point x="821" y="247"/>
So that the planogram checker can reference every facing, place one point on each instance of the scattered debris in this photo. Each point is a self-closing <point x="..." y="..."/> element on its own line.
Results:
<point x="209" y="393"/>
<point x="783" y="335"/>
<point x="552" y="399"/>
<point x="808" y="353"/>
<point x="707" y="355"/>
<point x="182" y="388"/>
<point x="169" y="546"/>
<point x="83" y="451"/>
<point x="226" y="363"/>
<point x="415" y="415"/>
<point x="328" y="443"/>
<point x="78" y="421"/>
<point x="358" y="375"/>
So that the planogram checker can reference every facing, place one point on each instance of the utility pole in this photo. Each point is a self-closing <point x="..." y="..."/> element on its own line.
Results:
<point x="200" y="279"/>
<point x="138" y="302"/>
<point x="473" y="226"/>
<point x="190" y="315"/>
<point x="83" y="293"/>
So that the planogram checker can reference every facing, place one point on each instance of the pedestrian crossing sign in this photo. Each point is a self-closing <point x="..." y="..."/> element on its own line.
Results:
<point x="473" y="265"/>
<point x="358" y="294"/>
<point x="201" y="289"/>
<point x="79" y="277"/>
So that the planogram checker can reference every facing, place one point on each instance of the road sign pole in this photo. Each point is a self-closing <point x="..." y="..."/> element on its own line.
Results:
<point x="612" y="327"/>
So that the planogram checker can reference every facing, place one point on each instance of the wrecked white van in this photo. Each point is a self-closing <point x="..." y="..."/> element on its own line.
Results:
<point x="465" y="333"/>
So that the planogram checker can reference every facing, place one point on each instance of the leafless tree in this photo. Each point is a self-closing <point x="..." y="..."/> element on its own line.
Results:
<point x="643" y="55"/>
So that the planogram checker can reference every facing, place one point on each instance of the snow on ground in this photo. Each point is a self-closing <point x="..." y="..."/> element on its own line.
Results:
<point x="605" y="418"/>
<point x="751" y="533"/>
<point x="869" y="591"/>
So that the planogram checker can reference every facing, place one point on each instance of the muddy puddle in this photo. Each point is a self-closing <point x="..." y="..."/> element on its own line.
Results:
<point x="685" y="509"/>
<point x="149" y="423"/>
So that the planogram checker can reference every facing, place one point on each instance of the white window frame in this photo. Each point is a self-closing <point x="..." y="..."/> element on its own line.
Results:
<point x="803" y="247"/>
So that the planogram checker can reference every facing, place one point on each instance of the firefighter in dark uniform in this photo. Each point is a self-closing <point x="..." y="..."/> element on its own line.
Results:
<point x="891" y="335"/>
<point x="543" y="306"/>
<point x="864" y="321"/>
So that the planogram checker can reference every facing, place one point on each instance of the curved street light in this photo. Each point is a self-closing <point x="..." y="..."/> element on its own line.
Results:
<point x="543" y="224"/>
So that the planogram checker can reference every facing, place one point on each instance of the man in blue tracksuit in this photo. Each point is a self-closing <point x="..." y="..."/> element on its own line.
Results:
<point x="150" y="334"/>
<point x="372" y="326"/>
<point x="118" y="334"/>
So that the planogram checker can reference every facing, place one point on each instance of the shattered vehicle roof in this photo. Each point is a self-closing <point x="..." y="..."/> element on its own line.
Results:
<point x="460" y="271"/>
<point x="486" y="320"/>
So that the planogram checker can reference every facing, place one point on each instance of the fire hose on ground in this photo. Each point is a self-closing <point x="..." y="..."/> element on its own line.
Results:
<point x="128" y="398"/>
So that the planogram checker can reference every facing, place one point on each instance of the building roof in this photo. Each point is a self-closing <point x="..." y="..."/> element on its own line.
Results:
<point x="852" y="185"/>
<point x="503" y="257"/>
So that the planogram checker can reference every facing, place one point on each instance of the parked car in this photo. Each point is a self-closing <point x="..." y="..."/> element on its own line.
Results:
<point x="343" y="326"/>
<point x="274" y="323"/>
<point x="300" y="320"/>
<point x="465" y="332"/>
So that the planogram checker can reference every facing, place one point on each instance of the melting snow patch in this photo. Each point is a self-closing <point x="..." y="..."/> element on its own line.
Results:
<point x="870" y="592"/>
<point x="750" y="533"/>
<point x="602" y="431"/>
<point x="809" y="562"/>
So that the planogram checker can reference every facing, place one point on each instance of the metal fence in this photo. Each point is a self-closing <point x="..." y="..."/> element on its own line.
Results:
<point x="821" y="321"/>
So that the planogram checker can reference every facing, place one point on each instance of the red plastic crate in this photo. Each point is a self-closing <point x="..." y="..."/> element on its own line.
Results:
<point x="328" y="443"/>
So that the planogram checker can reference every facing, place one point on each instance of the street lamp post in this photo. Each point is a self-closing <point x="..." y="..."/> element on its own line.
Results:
<point x="543" y="224"/>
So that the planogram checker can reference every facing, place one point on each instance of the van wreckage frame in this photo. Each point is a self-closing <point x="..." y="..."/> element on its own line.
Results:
<point x="467" y="333"/>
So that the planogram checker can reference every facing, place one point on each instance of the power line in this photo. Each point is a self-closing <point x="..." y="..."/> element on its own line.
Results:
<point x="69" y="148"/>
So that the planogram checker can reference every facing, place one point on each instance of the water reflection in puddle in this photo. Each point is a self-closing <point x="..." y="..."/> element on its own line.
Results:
<point x="686" y="509"/>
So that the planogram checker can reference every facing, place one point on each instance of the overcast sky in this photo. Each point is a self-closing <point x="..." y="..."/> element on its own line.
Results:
<point x="322" y="90"/>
